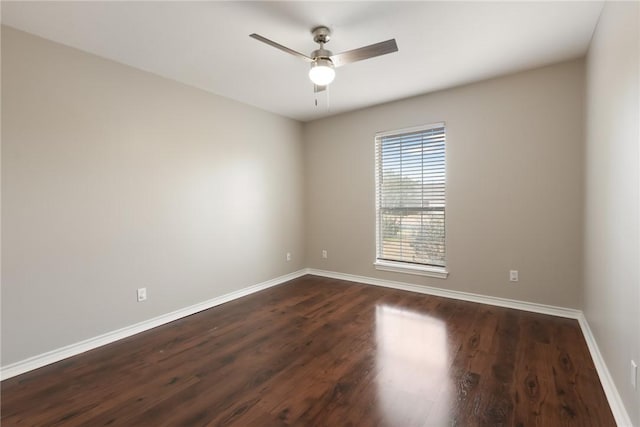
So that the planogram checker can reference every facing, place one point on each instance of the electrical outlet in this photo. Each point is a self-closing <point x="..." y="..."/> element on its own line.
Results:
<point x="513" y="275"/>
<point x="288" y="256"/>
<point x="324" y="254"/>
<point x="142" y="294"/>
<point x="634" y="375"/>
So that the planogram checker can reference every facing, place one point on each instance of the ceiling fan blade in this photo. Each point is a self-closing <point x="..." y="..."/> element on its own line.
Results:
<point x="317" y="88"/>
<point x="279" y="46"/>
<point x="366" y="52"/>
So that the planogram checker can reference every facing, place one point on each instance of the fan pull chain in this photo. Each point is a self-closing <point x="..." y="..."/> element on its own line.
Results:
<point x="315" y="100"/>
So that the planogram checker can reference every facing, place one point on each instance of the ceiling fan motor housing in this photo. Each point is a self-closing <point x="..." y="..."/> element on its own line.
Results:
<point x="321" y="53"/>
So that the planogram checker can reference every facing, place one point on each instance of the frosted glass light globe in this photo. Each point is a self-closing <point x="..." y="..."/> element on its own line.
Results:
<point x="322" y="72"/>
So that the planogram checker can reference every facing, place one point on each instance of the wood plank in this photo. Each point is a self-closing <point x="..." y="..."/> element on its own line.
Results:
<point x="318" y="351"/>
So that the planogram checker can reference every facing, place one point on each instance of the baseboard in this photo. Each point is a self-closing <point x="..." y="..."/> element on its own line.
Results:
<point x="615" y="402"/>
<point x="56" y="355"/>
<point x="464" y="296"/>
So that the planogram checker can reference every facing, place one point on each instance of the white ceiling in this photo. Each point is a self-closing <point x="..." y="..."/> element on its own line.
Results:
<point x="207" y="44"/>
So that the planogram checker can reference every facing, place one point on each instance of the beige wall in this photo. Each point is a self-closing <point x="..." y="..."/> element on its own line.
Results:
<point x="114" y="179"/>
<point x="612" y="231"/>
<point x="514" y="185"/>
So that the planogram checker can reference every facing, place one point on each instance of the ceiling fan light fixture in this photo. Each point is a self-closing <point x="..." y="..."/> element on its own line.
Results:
<point x="323" y="61"/>
<point x="322" y="72"/>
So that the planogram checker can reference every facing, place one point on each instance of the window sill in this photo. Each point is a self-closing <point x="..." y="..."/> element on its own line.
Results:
<point x="438" y="272"/>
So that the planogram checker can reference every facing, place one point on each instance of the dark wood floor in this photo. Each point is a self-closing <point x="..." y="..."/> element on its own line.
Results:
<point x="323" y="352"/>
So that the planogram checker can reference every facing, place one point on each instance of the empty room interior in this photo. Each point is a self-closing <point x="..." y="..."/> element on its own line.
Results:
<point x="366" y="213"/>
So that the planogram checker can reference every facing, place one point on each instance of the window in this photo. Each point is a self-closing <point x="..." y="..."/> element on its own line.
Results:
<point x="410" y="200"/>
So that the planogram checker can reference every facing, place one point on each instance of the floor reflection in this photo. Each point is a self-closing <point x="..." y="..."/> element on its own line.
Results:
<point x="412" y="362"/>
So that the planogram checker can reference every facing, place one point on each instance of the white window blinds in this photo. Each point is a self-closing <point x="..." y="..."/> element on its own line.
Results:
<point x="410" y="195"/>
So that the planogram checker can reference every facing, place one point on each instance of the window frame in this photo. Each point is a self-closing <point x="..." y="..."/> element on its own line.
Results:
<point x="440" y="272"/>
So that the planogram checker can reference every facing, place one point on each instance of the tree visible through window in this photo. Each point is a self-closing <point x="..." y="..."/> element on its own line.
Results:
<point x="410" y="196"/>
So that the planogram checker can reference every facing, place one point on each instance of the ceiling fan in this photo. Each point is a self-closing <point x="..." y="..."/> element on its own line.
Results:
<point x="323" y="61"/>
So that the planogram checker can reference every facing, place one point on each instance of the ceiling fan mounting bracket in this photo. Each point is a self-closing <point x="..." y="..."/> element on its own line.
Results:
<point x="321" y="34"/>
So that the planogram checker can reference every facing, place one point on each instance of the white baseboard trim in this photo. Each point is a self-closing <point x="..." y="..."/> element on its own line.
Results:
<point x="56" y="355"/>
<point x="615" y="402"/>
<point x="464" y="296"/>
